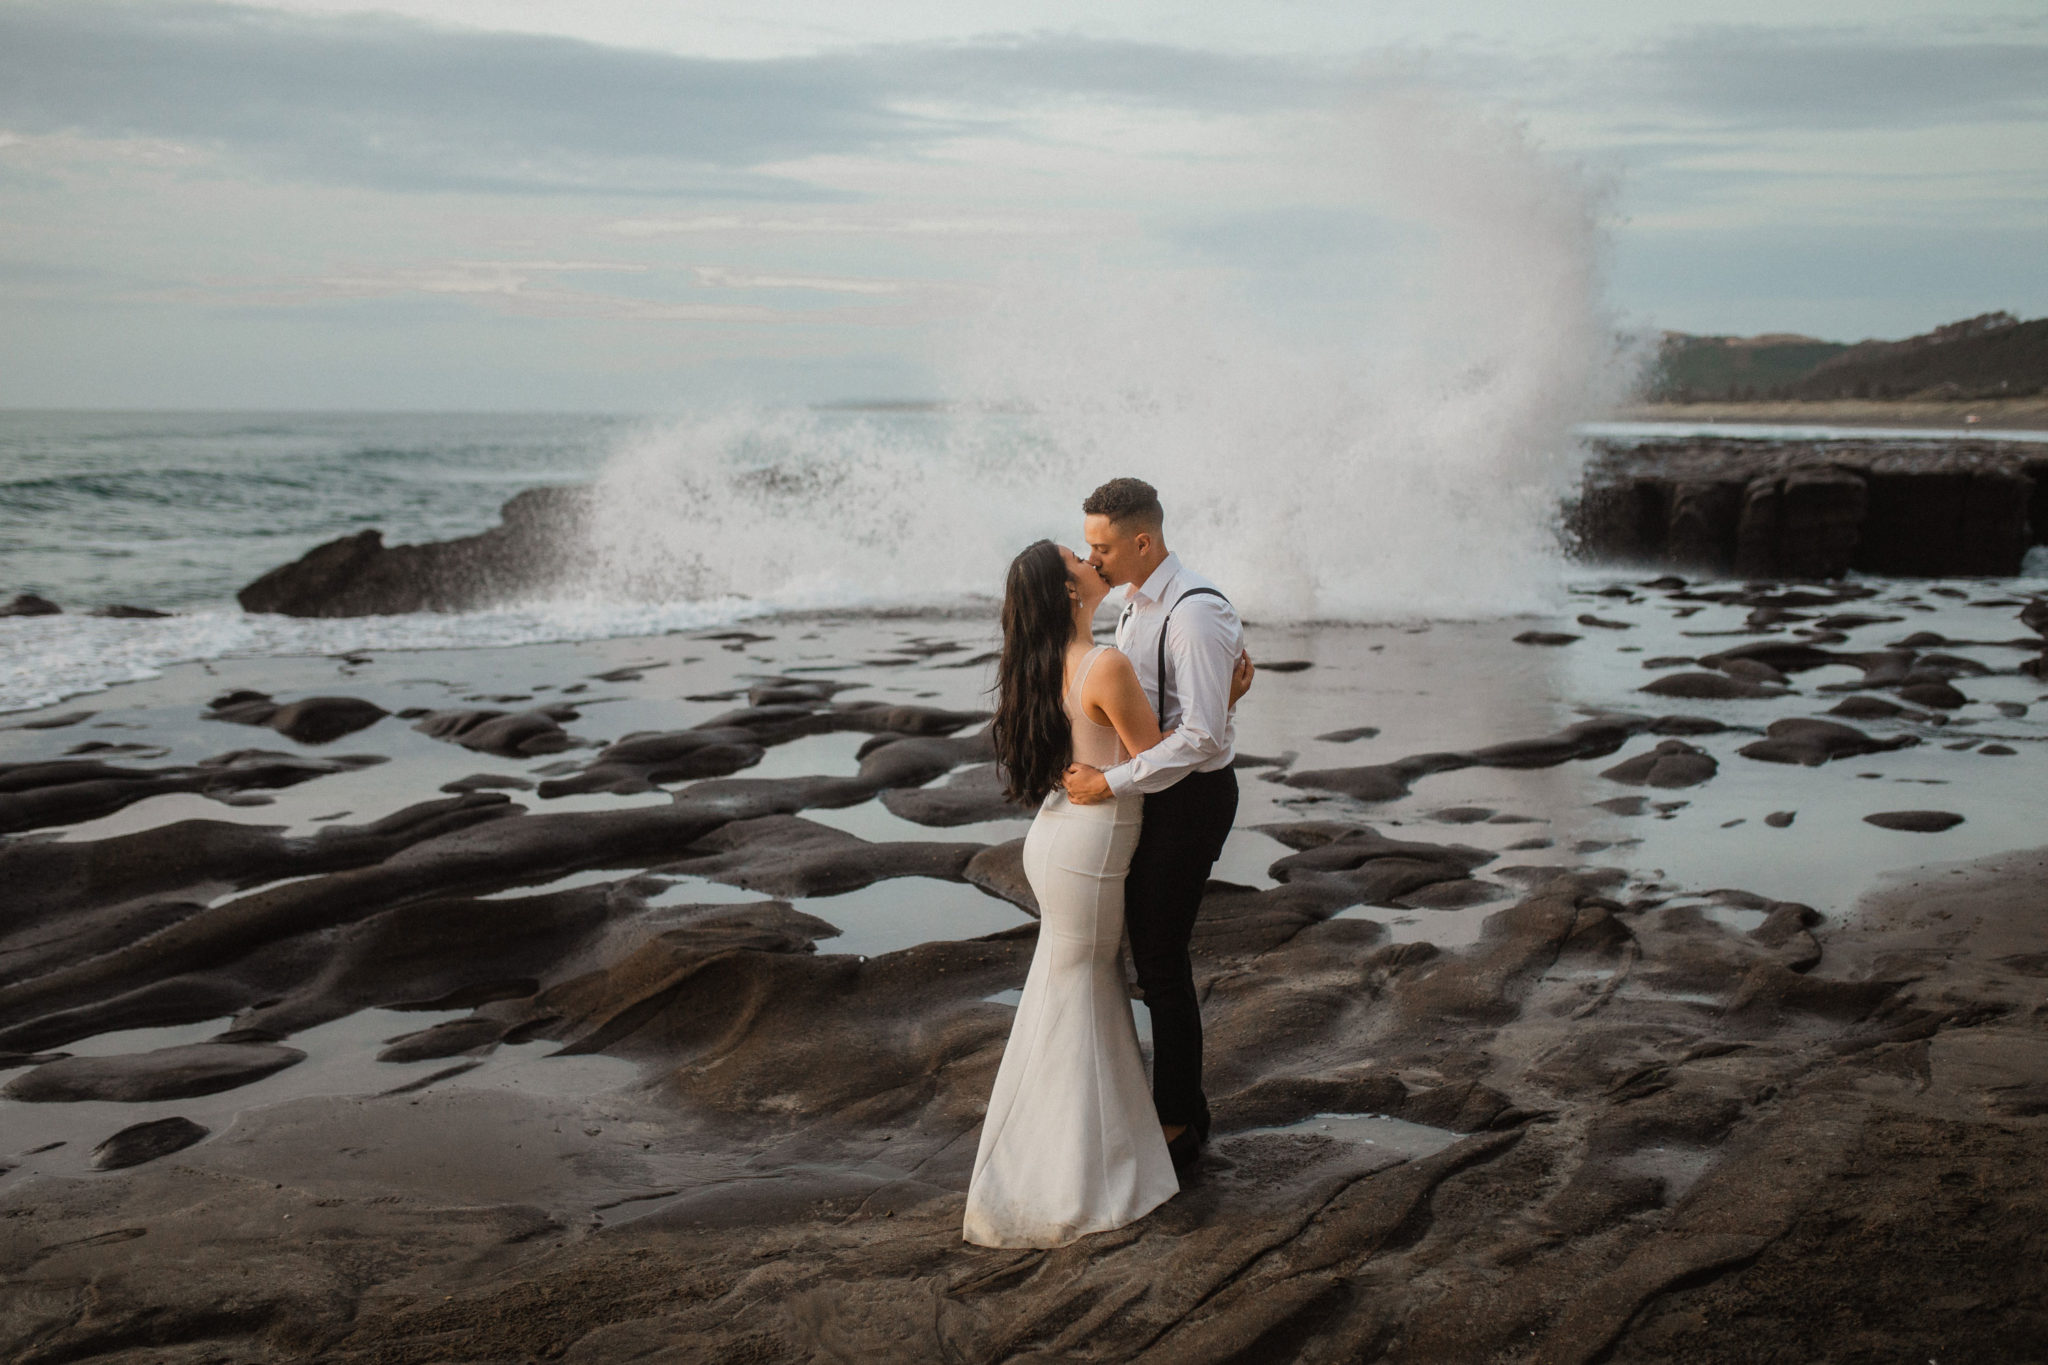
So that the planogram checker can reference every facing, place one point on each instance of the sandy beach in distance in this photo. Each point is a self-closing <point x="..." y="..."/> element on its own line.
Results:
<point x="1990" y="414"/>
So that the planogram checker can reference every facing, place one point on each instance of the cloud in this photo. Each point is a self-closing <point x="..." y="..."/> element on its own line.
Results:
<point x="394" y="103"/>
<point x="717" y="277"/>
<point x="506" y="286"/>
<point x="829" y="226"/>
<point x="1827" y="78"/>
<point x="527" y="288"/>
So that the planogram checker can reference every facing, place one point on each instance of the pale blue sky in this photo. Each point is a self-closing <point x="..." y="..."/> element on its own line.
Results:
<point x="642" y="204"/>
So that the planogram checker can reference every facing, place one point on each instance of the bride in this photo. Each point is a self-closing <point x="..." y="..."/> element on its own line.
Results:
<point x="1071" y="1144"/>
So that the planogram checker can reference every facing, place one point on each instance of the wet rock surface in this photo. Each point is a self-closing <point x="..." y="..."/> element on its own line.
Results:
<point x="1813" y="742"/>
<point x="66" y="791"/>
<point x="139" y="1143"/>
<point x="1669" y="1118"/>
<point x="511" y="734"/>
<point x="1673" y="763"/>
<point x="1594" y="738"/>
<point x="173" y="1073"/>
<point x="311" y="720"/>
<point x="1915" y="821"/>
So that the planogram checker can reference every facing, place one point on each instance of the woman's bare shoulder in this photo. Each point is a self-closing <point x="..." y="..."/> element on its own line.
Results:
<point x="1112" y="666"/>
<point x="1110" y="671"/>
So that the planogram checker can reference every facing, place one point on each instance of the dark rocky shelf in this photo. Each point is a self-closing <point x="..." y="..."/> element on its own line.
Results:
<point x="1815" y="509"/>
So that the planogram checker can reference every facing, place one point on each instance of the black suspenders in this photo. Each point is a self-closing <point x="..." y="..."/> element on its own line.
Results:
<point x="1161" y="674"/>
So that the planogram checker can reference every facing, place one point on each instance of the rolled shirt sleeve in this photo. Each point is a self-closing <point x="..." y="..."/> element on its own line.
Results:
<point x="1203" y="639"/>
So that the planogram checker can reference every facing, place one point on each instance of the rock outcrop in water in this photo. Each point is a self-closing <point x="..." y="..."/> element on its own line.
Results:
<point x="1804" y="509"/>
<point x="536" y="547"/>
<point x="1815" y="509"/>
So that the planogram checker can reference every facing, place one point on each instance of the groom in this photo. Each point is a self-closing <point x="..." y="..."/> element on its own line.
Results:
<point x="1183" y="638"/>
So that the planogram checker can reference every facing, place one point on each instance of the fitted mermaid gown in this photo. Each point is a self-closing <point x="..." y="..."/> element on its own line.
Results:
<point x="1071" y="1144"/>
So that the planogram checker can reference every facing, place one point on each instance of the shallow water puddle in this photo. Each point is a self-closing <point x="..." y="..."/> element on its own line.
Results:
<point x="833" y="754"/>
<point x="1445" y="928"/>
<point x="903" y="912"/>
<point x="875" y="822"/>
<point x="341" y="1059"/>
<point x="1391" y="1136"/>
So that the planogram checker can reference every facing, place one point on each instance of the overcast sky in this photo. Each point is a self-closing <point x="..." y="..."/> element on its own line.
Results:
<point x="640" y="204"/>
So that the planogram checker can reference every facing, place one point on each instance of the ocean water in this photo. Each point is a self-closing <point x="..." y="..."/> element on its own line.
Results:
<point x="727" y="514"/>
<point x="177" y="511"/>
<point x="1369" y="515"/>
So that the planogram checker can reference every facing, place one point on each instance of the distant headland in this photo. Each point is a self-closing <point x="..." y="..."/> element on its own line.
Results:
<point x="1990" y="370"/>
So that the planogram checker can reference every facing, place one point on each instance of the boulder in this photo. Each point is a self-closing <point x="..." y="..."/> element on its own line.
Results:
<point x="1915" y="821"/>
<point x="310" y="720"/>
<point x="1673" y="763"/>
<point x="1814" y="742"/>
<point x="509" y="734"/>
<point x="1710" y="687"/>
<point x="142" y="1142"/>
<point x="969" y="797"/>
<point x="29" y="604"/>
<point x="538" y="546"/>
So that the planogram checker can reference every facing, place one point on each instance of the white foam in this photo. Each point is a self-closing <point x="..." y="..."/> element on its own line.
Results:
<point x="1408" y="464"/>
<point x="50" y="658"/>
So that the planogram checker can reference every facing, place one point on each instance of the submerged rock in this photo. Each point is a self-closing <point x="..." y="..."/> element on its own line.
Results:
<point x="310" y="720"/>
<point x="785" y="855"/>
<point x="968" y="797"/>
<point x="509" y="734"/>
<point x="29" y="604"/>
<point x="67" y="791"/>
<point x="1915" y="821"/>
<point x="1798" y="739"/>
<point x="1673" y="763"/>
<point x="1594" y="738"/>
<point x="1710" y="687"/>
<point x="143" y="1142"/>
<point x="171" y="1073"/>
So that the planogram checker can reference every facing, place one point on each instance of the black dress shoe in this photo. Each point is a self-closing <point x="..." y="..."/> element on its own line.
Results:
<point x="1186" y="1150"/>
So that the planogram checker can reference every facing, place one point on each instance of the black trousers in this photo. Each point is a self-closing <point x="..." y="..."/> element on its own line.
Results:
<point x="1183" y="833"/>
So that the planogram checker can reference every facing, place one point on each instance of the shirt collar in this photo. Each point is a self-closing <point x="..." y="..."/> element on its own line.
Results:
<point x="1154" y="588"/>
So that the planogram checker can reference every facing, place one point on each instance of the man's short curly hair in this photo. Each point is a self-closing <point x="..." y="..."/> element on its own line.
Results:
<point x="1126" y="500"/>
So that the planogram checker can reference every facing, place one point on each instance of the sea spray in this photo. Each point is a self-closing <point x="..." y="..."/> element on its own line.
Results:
<point x="1406" y="461"/>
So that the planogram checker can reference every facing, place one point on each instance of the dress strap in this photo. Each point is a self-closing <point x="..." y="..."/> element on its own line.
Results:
<point x="1081" y="674"/>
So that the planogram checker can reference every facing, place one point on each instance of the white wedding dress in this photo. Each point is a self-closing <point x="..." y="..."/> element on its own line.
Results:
<point x="1071" y="1144"/>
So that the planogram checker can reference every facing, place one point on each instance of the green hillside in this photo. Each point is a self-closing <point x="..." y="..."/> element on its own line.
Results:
<point x="1991" y="356"/>
<point x="1693" y="369"/>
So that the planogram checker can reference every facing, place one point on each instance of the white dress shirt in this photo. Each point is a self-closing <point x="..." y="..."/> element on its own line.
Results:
<point x="1203" y="640"/>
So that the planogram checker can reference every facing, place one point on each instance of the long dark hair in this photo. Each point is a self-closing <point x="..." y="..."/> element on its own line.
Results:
<point x="1033" y="741"/>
